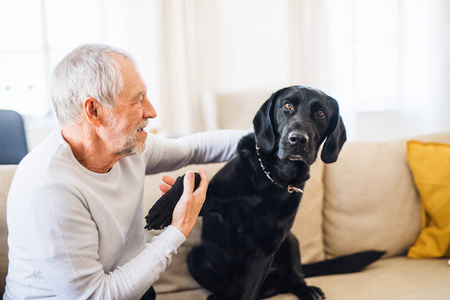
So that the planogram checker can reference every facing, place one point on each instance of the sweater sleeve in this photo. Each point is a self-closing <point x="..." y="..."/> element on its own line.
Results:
<point x="199" y="148"/>
<point x="64" y="241"/>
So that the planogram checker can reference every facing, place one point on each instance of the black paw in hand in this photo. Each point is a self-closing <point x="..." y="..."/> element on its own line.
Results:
<point x="160" y="215"/>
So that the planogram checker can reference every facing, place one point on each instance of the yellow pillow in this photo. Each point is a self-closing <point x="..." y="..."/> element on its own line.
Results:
<point x="430" y="165"/>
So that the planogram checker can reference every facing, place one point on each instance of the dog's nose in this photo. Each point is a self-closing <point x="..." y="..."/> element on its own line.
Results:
<point x="298" y="138"/>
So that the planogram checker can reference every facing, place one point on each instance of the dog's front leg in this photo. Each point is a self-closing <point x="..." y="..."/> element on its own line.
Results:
<point x="290" y="251"/>
<point x="255" y="273"/>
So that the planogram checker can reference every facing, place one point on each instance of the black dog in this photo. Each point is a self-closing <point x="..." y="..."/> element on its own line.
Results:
<point x="247" y="250"/>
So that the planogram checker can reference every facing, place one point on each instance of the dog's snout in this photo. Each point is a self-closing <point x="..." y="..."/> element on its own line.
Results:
<point x="298" y="138"/>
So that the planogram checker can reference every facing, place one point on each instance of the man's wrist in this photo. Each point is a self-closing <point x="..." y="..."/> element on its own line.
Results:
<point x="173" y="235"/>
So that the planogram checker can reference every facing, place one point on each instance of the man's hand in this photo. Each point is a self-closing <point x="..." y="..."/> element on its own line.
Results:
<point x="167" y="185"/>
<point x="186" y="211"/>
<point x="179" y="205"/>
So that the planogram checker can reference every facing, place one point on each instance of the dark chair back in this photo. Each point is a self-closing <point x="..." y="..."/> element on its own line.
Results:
<point x="13" y="142"/>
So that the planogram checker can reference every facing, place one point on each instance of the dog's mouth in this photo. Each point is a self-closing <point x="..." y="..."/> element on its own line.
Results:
<point x="287" y="154"/>
<point x="296" y="158"/>
<point x="282" y="155"/>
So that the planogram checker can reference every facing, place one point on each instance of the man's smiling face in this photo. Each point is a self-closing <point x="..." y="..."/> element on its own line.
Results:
<point x="129" y="117"/>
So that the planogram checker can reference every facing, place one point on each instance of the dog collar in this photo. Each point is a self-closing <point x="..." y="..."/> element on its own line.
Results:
<point x="290" y="187"/>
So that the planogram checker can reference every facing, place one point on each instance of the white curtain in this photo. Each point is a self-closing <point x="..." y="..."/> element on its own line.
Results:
<point x="187" y="48"/>
<point x="385" y="61"/>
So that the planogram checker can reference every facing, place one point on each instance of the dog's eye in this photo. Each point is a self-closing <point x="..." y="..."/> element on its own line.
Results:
<point x="288" y="106"/>
<point x="320" y="114"/>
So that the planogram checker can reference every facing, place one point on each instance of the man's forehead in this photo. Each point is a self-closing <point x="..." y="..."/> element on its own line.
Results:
<point x="132" y="77"/>
<point x="121" y="58"/>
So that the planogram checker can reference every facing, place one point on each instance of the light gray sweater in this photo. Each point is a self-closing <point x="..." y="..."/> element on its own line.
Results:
<point x="76" y="234"/>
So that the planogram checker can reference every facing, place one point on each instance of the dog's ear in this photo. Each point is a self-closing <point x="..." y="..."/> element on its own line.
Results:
<point x="262" y="124"/>
<point x="335" y="139"/>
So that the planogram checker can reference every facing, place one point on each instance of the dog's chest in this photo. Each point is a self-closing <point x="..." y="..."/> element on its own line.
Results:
<point x="267" y="220"/>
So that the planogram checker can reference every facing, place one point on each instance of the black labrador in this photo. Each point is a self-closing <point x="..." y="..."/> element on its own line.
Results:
<point x="247" y="250"/>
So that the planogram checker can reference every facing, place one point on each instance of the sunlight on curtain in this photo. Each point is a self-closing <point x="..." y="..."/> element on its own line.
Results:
<point x="383" y="60"/>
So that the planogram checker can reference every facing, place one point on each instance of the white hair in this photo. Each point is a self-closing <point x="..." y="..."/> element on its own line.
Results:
<point x="90" y="70"/>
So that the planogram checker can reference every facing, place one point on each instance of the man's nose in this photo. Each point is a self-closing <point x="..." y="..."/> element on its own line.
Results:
<point x="149" y="110"/>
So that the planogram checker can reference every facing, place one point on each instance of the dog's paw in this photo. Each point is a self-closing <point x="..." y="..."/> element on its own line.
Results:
<point x="311" y="293"/>
<point x="160" y="215"/>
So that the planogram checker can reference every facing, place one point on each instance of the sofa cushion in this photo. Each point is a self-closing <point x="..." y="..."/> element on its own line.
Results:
<point x="202" y="294"/>
<point x="307" y="226"/>
<point x="6" y="176"/>
<point x="370" y="199"/>
<point x="430" y="165"/>
<point x="397" y="278"/>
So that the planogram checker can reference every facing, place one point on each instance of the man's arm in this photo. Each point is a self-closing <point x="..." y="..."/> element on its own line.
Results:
<point x="199" y="148"/>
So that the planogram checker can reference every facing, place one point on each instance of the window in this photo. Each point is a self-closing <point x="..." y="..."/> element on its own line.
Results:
<point x="34" y="37"/>
<point x="22" y="78"/>
<point x="364" y="44"/>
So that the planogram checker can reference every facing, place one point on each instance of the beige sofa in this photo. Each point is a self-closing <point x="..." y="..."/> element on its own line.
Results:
<point x="366" y="200"/>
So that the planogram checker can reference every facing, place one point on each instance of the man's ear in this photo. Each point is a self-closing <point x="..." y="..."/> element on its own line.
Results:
<point x="93" y="111"/>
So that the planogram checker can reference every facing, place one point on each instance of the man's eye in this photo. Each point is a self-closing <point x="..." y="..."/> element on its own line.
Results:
<point x="288" y="106"/>
<point x="320" y="114"/>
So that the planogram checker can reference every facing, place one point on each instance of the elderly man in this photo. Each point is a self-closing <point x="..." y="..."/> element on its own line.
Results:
<point x="74" y="211"/>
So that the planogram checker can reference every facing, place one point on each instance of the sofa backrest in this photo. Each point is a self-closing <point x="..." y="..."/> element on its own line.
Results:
<point x="371" y="201"/>
<point x="6" y="176"/>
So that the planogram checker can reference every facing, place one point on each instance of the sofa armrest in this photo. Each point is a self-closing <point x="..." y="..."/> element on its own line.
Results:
<point x="6" y="177"/>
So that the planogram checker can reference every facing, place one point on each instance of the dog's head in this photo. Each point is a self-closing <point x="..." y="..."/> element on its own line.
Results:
<point x="295" y="121"/>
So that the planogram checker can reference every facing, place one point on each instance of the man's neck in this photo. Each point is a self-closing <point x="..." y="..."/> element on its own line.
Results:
<point x="89" y="149"/>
